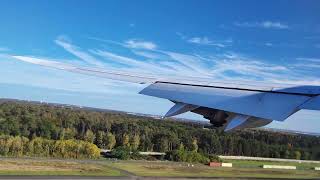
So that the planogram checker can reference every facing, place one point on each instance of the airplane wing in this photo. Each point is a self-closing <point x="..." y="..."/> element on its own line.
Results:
<point x="229" y="105"/>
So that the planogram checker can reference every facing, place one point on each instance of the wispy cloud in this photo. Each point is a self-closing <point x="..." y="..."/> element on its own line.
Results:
<point x="263" y="24"/>
<point x="218" y="67"/>
<point x="149" y="54"/>
<point x="181" y="35"/>
<point x="205" y="41"/>
<point x="276" y="25"/>
<point x="268" y="44"/>
<point x="131" y="64"/>
<point x="307" y="63"/>
<point x="55" y="79"/>
<point x="139" y="44"/>
<point x="245" y="67"/>
<point x="64" y="42"/>
<point x="309" y="59"/>
<point x="3" y="49"/>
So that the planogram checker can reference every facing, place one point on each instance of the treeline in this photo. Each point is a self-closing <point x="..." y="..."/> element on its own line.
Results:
<point x="18" y="146"/>
<point x="181" y="154"/>
<point x="110" y="130"/>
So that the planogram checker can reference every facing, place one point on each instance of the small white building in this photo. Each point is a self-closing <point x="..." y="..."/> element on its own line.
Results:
<point x="226" y="164"/>
<point x="278" y="167"/>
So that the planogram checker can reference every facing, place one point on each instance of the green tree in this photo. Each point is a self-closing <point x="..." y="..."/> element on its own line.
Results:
<point x="4" y="145"/>
<point x="16" y="148"/>
<point x="89" y="150"/>
<point x="181" y="153"/>
<point x="67" y="133"/>
<point x="109" y="141"/>
<point x="214" y="158"/>
<point x="125" y="140"/>
<point x="287" y="154"/>
<point x="306" y="155"/>
<point x="297" y="155"/>
<point x="121" y="152"/>
<point x="194" y="145"/>
<point x="99" y="139"/>
<point x="135" y="142"/>
<point x="43" y="126"/>
<point x="89" y="136"/>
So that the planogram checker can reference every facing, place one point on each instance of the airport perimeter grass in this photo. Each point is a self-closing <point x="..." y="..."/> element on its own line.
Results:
<point x="171" y="169"/>
<point x="259" y="164"/>
<point x="24" y="166"/>
<point x="102" y="167"/>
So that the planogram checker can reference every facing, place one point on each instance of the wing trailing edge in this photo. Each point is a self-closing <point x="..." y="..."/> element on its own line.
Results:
<point x="312" y="104"/>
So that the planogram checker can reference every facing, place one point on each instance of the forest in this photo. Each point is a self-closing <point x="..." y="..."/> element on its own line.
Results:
<point x="39" y="129"/>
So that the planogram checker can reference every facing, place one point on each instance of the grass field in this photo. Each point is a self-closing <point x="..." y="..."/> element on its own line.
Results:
<point x="258" y="164"/>
<point x="245" y="169"/>
<point x="12" y="166"/>
<point x="170" y="169"/>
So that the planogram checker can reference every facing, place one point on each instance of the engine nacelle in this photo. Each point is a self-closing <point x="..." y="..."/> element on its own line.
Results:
<point x="218" y="118"/>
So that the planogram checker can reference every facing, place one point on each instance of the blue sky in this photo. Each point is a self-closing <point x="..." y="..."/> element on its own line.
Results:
<point x="271" y="41"/>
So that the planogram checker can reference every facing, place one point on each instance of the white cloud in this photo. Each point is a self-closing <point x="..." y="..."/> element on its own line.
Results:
<point x="106" y="41"/>
<point x="276" y="25"/>
<point x="148" y="54"/>
<point x="205" y="41"/>
<point x="247" y="68"/>
<point x="229" y="66"/>
<point x="268" y="44"/>
<point x="3" y="49"/>
<point x="139" y="44"/>
<point x="188" y="63"/>
<point x="56" y="79"/>
<point x="263" y="24"/>
<point x="307" y="63"/>
<point x="309" y="59"/>
<point x="76" y="51"/>
<point x="134" y="64"/>
<point x="182" y="36"/>
<point x="224" y="66"/>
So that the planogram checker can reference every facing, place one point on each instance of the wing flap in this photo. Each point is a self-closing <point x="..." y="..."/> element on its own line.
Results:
<point x="312" y="104"/>
<point x="237" y="121"/>
<point x="180" y="108"/>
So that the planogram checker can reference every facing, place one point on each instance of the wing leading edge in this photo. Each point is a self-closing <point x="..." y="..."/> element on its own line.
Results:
<point x="230" y="105"/>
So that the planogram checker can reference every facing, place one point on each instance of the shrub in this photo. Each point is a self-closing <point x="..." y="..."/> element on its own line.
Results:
<point x="121" y="152"/>
<point x="214" y="158"/>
